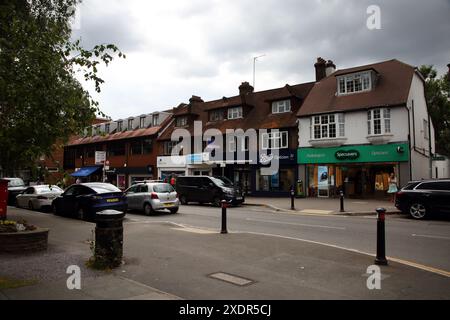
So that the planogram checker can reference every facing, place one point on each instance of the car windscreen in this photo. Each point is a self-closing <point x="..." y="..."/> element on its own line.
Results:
<point x="48" y="189"/>
<point x="411" y="185"/>
<point x="16" y="182"/>
<point x="163" y="188"/>
<point x="104" y="188"/>
<point x="221" y="182"/>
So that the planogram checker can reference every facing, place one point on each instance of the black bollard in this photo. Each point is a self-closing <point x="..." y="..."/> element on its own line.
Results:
<point x="342" y="201"/>
<point x="109" y="238"/>
<point x="292" y="198"/>
<point x="381" y="242"/>
<point x="224" y="216"/>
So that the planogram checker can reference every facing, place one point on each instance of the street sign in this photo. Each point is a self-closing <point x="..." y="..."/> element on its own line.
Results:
<point x="100" y="157"/>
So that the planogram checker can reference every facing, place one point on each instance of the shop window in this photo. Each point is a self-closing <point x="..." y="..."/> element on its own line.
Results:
<point x="379" y="121"/>
<point x="279" y="182"/>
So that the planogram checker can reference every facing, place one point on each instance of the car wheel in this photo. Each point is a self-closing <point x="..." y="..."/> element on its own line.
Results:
<point x="30" y="205"/>
<point x="81" y="213"/>
<point x="183" y="200"/>
<point x="418" y="210"/>
<point x="174" y="210"/>
<point x="148" y="210"/>
<point x="217" y="202"/>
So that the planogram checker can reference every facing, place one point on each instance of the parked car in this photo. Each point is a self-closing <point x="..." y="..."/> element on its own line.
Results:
<point x="85" y="199"/>
<point x="206" y="189"/>
<point x="15" y="187"/>
<point x="38" y="197"/>
<point x="151" y="197"/>
<point x="421" y="199"/>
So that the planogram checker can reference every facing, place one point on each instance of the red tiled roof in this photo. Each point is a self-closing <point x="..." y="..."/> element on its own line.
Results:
<point x="258" y="111"/>
<point x="391" y="89"/>
<point x="115" y="136"/>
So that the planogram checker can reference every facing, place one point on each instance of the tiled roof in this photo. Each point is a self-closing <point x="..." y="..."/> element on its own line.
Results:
<point x="115" y="136"/>
<point x="391" y="89"/>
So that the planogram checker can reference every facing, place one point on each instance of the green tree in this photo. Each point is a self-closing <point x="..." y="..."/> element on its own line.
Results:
<point x="437" y="94"/>
<point x="41" y="101"/>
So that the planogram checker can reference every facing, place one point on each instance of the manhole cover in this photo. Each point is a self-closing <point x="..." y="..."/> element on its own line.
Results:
<point x="239" y="281"/>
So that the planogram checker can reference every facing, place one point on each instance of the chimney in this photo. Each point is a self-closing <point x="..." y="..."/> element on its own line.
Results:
<point x="320" y="66"/>
<point x="330" y="67"/>
<point x="195" y="99"/>
<point x="245" y="88"/>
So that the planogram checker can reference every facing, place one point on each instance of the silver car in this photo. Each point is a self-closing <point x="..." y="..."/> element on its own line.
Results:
<point x="151" y="197"/>
<point x="37" y="197"/>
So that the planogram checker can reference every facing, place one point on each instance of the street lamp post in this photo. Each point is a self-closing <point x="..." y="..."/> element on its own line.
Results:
<point x="254" y="67"/>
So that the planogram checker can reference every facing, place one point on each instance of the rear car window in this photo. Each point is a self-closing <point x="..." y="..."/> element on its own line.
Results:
<point x="48" y="189"/>
<point x="439" y="185"/>
<point x="163" y="188"/>
<point x="16" y="182"/>
<point x="104" y="188"/>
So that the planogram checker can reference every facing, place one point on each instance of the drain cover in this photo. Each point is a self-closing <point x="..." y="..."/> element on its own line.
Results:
<point x="239" y="281"/>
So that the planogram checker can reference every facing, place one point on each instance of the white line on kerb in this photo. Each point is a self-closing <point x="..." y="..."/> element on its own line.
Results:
<point x="430" y="236"/>
<point x="296" y="224"/>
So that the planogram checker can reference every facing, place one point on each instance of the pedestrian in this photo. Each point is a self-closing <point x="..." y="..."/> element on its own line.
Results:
<point x="172" y="181"/>
<point x="78" y="181"/>
<point x="393" y="188"/>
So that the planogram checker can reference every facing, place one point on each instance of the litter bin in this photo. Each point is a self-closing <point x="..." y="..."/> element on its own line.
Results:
<point x="109" y="238"/>
<point x="3" y="198"/>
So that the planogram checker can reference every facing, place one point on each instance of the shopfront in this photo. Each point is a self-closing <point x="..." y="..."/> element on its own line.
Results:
<point x="360" y="171"/>
<point x="278" y="184"/>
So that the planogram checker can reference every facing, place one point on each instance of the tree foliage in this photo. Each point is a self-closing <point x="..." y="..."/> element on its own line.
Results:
<point x="41" y="101"/>
<point x="437" y="94"/>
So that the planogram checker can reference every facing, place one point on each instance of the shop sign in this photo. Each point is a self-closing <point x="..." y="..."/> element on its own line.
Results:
<point x="283" y="156"/>
<point x="347" y="154"/>
<point x="393" y="152"/>
<point x="197" y="158"/>
<point x="171" y="162"/>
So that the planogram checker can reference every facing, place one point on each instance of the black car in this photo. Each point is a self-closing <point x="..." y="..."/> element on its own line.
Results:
<point x="206" y="189"/>
<point x="15" y="187"/>
<point x="424" y="198"/>
<point x="85" y="199"/>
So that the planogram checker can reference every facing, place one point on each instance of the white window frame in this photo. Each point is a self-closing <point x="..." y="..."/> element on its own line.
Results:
<point x="181" y="121"/>
<point x="141" y="122"/>
<point x="347" y="84"/>
<point x="381" y="118"/>
<point x="130" y="124"/>
<point x="234" y="113"/>
<point x="281" y="106"/>
<point x="154" y="120"/>
<point x="324" y="122"/>
<point x="274" y="140"/>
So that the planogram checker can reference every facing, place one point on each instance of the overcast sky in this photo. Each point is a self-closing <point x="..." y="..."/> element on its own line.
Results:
<point x="206" y="47"/>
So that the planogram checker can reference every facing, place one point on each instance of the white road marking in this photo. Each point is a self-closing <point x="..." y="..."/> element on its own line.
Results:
<point x="316" y="211"/>
<point x="430" y="236"/>
<point x="296" y="224"/>
<point x="195" y="230"/>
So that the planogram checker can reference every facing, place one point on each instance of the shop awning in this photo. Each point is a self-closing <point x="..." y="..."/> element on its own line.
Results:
<point x="85" y="171"/>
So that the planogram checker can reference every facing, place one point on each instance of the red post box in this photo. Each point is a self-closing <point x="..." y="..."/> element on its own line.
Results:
<point x="3" y="198"/>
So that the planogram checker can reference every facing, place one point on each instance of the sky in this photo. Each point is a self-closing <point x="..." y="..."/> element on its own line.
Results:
<point x="179" y="48"/>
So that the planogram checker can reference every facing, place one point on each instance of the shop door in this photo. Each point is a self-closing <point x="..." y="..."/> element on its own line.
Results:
<point x="322" y="178"/>
<point x="243" y="180"/>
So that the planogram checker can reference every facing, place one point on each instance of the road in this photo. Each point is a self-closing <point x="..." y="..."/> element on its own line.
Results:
<point x="423" y="242"/>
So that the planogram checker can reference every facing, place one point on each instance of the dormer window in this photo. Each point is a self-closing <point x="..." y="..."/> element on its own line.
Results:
<point x="130" y="124"/>
<point x="216" y="115"/>
<point x="141" y="122"/>
<point x="107" y="128"/>
<point x="352" y="83"/>
<point x="155" y="120"/>
<point x="281" y="106"/>
<point x="235" y="113"/>
<point x="119" y="125"/>
<point x="181" y="121"/>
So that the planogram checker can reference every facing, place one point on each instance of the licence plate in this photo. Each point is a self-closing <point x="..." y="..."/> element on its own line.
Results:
<point x="112" y="200"/>
<point x="238" y="198"/>
<point x="168" y="204"/>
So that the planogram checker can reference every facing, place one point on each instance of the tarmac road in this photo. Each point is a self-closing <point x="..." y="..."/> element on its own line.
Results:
<point x="422" y="242"/>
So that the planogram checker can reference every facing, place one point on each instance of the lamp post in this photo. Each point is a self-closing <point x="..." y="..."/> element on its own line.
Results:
<point x="254" y="67"/>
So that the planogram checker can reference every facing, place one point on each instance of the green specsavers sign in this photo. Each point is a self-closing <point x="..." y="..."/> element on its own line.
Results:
<point x="394" y="152"/>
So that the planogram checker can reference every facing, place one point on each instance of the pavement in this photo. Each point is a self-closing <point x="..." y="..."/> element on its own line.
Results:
<point x="166" y="260"/>
<point x="328" y="206"/>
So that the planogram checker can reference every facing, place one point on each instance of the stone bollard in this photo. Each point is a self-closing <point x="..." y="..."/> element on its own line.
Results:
<point x="109" y="238"/>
